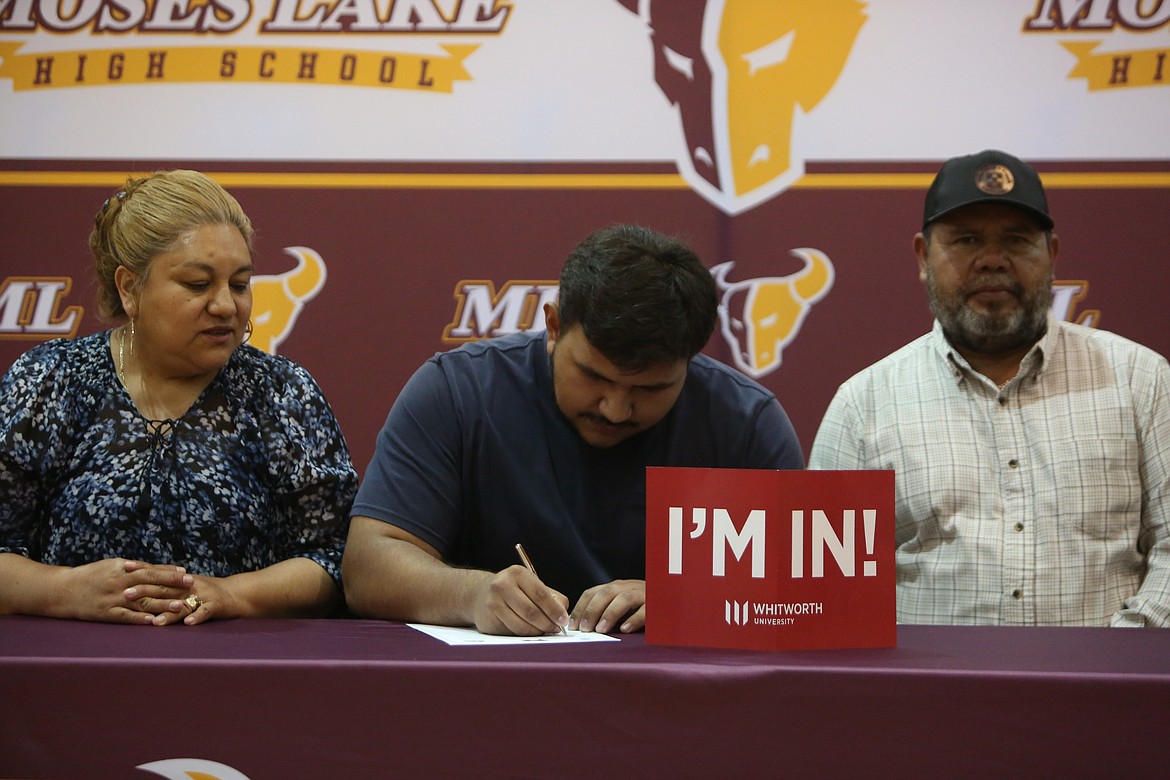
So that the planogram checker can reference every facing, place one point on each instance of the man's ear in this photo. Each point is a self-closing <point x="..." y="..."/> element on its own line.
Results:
<point x="552" y="325"/>
<point x="921" y="245"/>
<point x="127" y="283"/>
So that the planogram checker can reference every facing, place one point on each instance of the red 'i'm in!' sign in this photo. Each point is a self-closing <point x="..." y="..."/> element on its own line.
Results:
<point x="770" y="560"/>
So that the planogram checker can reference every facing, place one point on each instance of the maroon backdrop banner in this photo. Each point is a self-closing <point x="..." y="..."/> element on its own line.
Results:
<point x="414" y="257"/>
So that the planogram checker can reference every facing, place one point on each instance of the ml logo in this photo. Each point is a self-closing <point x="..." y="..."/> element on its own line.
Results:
<point x="32" y="307"/>
<point x="735" y="613"/>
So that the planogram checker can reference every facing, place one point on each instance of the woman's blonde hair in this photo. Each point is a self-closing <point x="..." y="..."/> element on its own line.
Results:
<point x="146" y="217"/>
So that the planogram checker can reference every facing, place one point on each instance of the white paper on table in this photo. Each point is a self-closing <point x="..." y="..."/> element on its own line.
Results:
<point x="469" y="636"/>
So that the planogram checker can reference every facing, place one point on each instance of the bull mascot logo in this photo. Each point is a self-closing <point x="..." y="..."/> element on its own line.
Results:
<point x="738" y="70"/>
<point x="192" y="769"/>
<point x="760" y="317"/>
<point x="277" y="300"/>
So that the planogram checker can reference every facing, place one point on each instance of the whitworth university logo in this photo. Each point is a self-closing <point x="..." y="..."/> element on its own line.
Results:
<point x="735" y="613"/>
<point x="741" y="613"/>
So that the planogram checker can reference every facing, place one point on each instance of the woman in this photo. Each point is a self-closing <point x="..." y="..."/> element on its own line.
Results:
<point x="165" y="471"/>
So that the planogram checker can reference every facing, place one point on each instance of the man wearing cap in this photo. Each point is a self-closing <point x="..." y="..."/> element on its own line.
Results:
<point x="1032" y="456"/>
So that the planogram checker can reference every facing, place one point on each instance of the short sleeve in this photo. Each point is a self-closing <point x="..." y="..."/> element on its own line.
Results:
<point x="311" y="472"/>
<point x="414" y="479"/>
<point x="29" y="434"/>
<point x="773" y="444"/>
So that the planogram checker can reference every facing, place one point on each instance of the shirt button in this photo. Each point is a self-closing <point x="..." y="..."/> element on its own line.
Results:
<point x="1014" y="463"/>
<point x="1019" y="526"/>
<point x="1017" y="594"/>
<point x="1002" y="401"/>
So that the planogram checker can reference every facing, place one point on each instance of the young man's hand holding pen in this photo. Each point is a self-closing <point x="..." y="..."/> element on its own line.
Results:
<point x="516" y="602"/>
<point x="528" y="565"/>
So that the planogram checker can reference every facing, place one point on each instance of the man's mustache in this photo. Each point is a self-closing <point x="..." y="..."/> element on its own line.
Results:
<point x="1005" y="282"/>
<point x="597" y="418"/>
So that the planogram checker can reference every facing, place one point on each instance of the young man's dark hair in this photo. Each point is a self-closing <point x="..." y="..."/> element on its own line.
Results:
<point x="640" y="297"/>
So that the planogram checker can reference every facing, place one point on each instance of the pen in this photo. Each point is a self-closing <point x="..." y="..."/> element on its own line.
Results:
<point x="528" y="565"/>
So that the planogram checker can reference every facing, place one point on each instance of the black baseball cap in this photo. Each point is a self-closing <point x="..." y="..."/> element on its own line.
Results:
<point x="991" y="176"/>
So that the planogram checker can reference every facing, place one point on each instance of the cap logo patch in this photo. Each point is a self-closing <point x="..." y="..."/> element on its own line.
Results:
<point x="995" y="179"/>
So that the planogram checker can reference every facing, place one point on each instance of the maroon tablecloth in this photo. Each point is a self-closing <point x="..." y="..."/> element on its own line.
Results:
<point x="358" y="699"/>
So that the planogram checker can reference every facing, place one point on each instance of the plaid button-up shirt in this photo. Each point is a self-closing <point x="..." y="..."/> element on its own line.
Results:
<point x="1045" y="502"/>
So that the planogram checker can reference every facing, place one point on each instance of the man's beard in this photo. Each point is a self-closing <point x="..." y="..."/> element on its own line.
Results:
<point x="994" y="331"/>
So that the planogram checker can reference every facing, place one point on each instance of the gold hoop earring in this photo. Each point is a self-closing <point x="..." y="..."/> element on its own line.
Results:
<point x="247" y="333"/>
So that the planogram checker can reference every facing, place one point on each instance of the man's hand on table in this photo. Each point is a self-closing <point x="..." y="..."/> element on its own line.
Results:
<point x="619" y="603"/>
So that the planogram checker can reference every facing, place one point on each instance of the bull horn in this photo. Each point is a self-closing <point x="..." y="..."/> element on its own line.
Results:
<point x="814" y="281"/>
<point x="308" y="277"/>
<point x="720" y="273"/>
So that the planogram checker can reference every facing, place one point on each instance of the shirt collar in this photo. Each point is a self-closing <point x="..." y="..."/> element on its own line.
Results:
<point x="1033" y="364"/>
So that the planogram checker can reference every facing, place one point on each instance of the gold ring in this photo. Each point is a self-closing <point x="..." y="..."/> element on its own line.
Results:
<point x="193" y="602"/>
